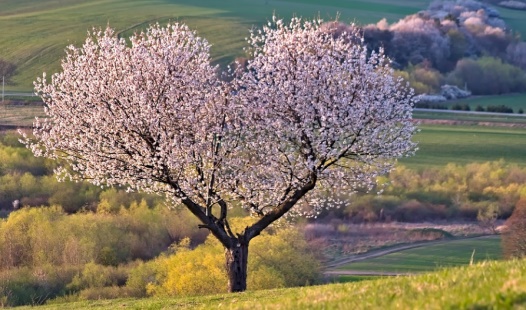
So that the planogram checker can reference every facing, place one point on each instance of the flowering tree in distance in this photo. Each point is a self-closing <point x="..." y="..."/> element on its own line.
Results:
<point x="311" y="111"/>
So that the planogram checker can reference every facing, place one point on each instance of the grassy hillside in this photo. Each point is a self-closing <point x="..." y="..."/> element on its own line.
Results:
<point x="439" y="145"/>
<point x="489" y="285"/>
<point x="432" y="257"/>
<point x="35" y="33"/>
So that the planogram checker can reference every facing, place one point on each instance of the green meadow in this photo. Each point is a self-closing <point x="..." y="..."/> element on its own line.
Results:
<point x="34" y="34"/>
<point x="488" y="285"/>
<point x="432" y="257"/>
<point x="439" y="145"/>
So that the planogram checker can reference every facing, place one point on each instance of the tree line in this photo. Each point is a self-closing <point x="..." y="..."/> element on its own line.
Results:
<point x="464" y="43"/>
<point x="453" y="192"/>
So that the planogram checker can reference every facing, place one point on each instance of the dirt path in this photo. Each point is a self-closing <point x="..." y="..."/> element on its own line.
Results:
<point x="330" y="268"/>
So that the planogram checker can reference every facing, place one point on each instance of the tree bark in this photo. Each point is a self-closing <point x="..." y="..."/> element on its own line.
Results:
<point x="236" y="266"/>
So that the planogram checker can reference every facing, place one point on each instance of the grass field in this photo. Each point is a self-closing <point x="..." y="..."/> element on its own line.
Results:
<point x="491" y="285"/>
<point x="514" y="101"/>
<point x="432" y="257"/>
<point x="516" y="20"/>
<point x="440" y="145"/>
<point x="34" y="33"/>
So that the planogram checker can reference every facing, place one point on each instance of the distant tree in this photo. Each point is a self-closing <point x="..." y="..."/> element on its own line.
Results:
<point x="6" y="68"/>
<point x="311" y="112"/>
<point x="516" y="54"/>
<point x="514" y="235"/>
<point x="487" y="76"/>
<point x="487" y="217"/>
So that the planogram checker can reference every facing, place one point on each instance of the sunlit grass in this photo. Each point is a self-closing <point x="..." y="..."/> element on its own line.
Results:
<point x="439" y="145"/>
<point x="35" y="33"/>
<point x="489" y="285"/>
<point x="432" y="257"/>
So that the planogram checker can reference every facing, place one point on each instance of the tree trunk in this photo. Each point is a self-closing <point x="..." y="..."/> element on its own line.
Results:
<point x="236" y="266"/>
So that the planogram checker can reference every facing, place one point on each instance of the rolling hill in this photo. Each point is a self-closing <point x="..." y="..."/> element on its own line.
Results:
<point x="34" y="33"/>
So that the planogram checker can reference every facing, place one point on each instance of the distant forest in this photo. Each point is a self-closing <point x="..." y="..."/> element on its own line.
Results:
<point x="464" y="43"/>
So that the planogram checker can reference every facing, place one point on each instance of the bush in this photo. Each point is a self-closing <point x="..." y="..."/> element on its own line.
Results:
<point x="499" y="109"/>
<point x="25" y="286"/>
<point x="423" y="79"/>
<point x="48" y="236"/>
<point x="514" y="235"/>
<point x="279" y="259"/>
<point x="460" y="107"/>
<point x="427" y="105"/>
<point x="98" y="276"/>
<point x="488" y="76"/>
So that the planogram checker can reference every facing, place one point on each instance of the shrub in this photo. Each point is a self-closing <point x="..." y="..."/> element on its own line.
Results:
<point x="499" y="109"/>
<point x="25" y="286"/>
<point x="514" y="235"/>
<point x="47" y="235"/>
<point x="6" y="68"/>
<point x="423" y="79"/>
<point x="460" y="107"/>
<point x="488" y="76"/>
<point x="279" y="259"/>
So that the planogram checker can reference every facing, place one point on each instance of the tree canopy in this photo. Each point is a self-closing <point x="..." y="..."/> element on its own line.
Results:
<point x="311" y="111"/>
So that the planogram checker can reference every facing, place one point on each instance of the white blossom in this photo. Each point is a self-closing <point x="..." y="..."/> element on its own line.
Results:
<point x="312" y="114"/>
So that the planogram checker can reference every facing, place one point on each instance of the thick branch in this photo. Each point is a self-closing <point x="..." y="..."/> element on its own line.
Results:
<point x="209" y="221"/>
<point x="281" y="209"/>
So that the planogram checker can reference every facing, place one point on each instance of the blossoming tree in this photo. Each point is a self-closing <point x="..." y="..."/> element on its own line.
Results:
<point x="311" y="112"/>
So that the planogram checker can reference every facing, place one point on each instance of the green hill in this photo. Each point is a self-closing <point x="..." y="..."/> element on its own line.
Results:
<point x="489" y="285"/>
<point x="34" y="33"/>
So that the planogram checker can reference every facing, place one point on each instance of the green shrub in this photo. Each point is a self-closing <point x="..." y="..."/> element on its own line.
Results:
<point x="487" y="76"/>
<point x="26" y="286"/>
<point x="280" y="259"/>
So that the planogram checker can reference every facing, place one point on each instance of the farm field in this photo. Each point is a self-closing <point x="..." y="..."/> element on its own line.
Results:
<point x="432" y="257"/>
<point x="514" y="101"/>
<point x="443" y="144"/>
<point x="516" y="19"/>
<point x="438" y="144"/>
<point x="35" y="33"/>
<point x="20" y="115"/>
<point x="34" y="36"/>
<point x="474" y="118"/>
<point x="490" y="285"/>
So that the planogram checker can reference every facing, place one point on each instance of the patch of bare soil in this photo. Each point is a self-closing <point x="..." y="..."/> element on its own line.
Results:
<point x="470" y="123"/>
